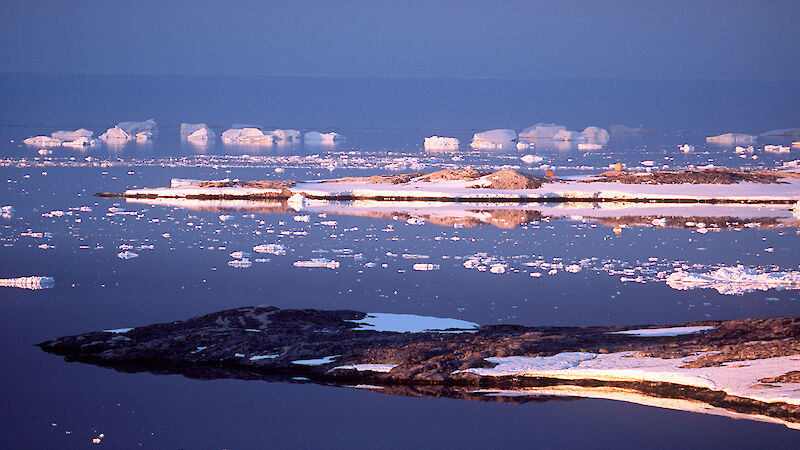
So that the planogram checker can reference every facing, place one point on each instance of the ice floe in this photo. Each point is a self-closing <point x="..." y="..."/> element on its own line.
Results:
<point x="441" y="143"/>
<point x="32" y="283"/>
<point x="412" y="323"/>
<point x="734" y="280"/>
<point x="318" y="262"/>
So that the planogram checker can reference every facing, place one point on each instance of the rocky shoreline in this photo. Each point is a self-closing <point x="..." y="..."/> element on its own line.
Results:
<point x="458" y="359"/>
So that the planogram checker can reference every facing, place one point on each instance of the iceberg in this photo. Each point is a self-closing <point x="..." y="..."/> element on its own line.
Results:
<point x="80" y="142"/>
<point x="115" y="134"/>
<point x="318" y="262"/>
<point x="286" y="135"/>
<point x="585" y="146"/>
<point x="246" y="136"/>
<point x="567" y="135"/>
<point x="196" y="132"/>
<point x="530" y="159"/>
<point x="33" y="283"/>
<point x="595" y="135"/>
<point x="776" y="148"/>
<point x="732" y="139"/>
<point x="493" y="139"/>
<point x="125" y="131"/>
<point x="441" y="143"/>
<point x="72" y="135"/>
<point x="793" y="133"/>
<point x="541" y="131"/>
<point x="42" y="141"/>
<point x="317" y="137"/>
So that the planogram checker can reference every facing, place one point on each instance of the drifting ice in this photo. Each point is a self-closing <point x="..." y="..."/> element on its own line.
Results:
<point x="318" y="262"/>
<point x="196" y="132"/>
<point x="541" y="131"/>
<point x="732" y="139"/>
<point x="246" y="136"/>
<point x="125" y="131"/>
<point x="28" y="282"/>
<point x="317" y="137"/>
<point x="530" y="159"/>
<point x="734" y="280"/>
<point x="493" y="139"/>
<point x="441" y="143"/>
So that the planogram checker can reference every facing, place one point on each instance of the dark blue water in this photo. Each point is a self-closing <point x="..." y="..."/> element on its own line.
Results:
<point x="49" y="403"/>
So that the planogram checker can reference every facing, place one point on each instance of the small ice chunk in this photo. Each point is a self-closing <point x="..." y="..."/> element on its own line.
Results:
<point x="422" y="267"/>
<point x="686" y="148"/>
<point x="273" y="249"/>
<point x="127" y="254"/>
<point x="585" y="146"/>
<point x="530" y="159"/>
<point x="777" y="148"/>
<point x="441" y="143"/>
<point x="573" y="268"/>
<point x="297" y="202"/>
<point x="240" y="255"/>
<point x="318" y="262"/>
<point x="197" y="132"/>
<point x="240" y="263"/>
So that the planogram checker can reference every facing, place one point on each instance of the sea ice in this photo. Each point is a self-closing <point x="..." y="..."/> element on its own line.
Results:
<point x="318" y="262"/>
<point x="732" y="139"/>
<point x="541" y="131"/>
<point x="734" y="280"/>
<point x="530" y="159"/>
<point x="441" y="143"/>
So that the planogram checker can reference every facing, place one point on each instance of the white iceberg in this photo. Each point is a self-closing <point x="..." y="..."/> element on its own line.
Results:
<point x="286" y="135"/>
<point x="246" y="136"/>
<point x="147" y="128"/>
<point x="585" y="146"/>
<point x="42" y="141"/>
<point x="530" y="159"/>
<point x="541" y="131"/>
<point x="493" y="139"/>
<point x="317" y="137"/>
<point x="28" y="282"/>
<point x="72" y="135"/>
<point x="441" y="143"/>
<point x="197" y="132"/>
<point x="686" y="148"/>
<point x="777" y="148"/>
<point x="127" y="255"/>
<point x="732" y="139"/>
<point x="80" y="142"/>
<point x="734" y="280"/>
<point x="318" y="262"/>
<point x="273" y="249"/>
<point x="567" y="135"/>
<point x="595" y="135"/>
<point x="115" y="134"/>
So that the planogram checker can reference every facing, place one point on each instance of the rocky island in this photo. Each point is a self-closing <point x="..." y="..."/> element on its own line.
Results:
<point x="746" y="368"/>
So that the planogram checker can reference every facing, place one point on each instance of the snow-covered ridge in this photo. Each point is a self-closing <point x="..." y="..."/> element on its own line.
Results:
<point x="739" y="378"/>
<point x="734" y="280"/>
<point x="32" y="283"/>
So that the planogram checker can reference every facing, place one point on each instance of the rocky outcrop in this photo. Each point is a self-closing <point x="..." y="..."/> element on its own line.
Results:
<point x="341" y="347"/>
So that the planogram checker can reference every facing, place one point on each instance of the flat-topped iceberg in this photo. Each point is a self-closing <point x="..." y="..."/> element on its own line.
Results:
<point x="43" y="141"/>
<point x="246" y="136"/>
<point x="497" y="138"/>
<point x="197" y="132"/>
<point x="317" y="137"/>
<point x="441" y="143"/>
<point x="72" y="135"/>
<point x="732" y="139"/>
<point x="32" y="283"/>
<point x="286" y="135"/>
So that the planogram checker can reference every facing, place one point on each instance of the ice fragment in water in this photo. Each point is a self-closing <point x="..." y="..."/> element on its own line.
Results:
<point x="274" y="249"/>
<point x="493" y="139"/>
<point x="318" y="262"/>
<point x="441" y="143"/>
<point x="127" y="255"/>
<point x="425" y="267"/>
<point x="32" y="283"/>
<point x="732" y="139"/>
<point x="317" y="137"/>
<point x="530" y="159"/>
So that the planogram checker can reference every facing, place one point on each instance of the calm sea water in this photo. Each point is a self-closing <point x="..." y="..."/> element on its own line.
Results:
<point x="49" y="403"/>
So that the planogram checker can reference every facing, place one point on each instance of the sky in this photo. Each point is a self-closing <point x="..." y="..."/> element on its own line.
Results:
<point x="556" y="39"/>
